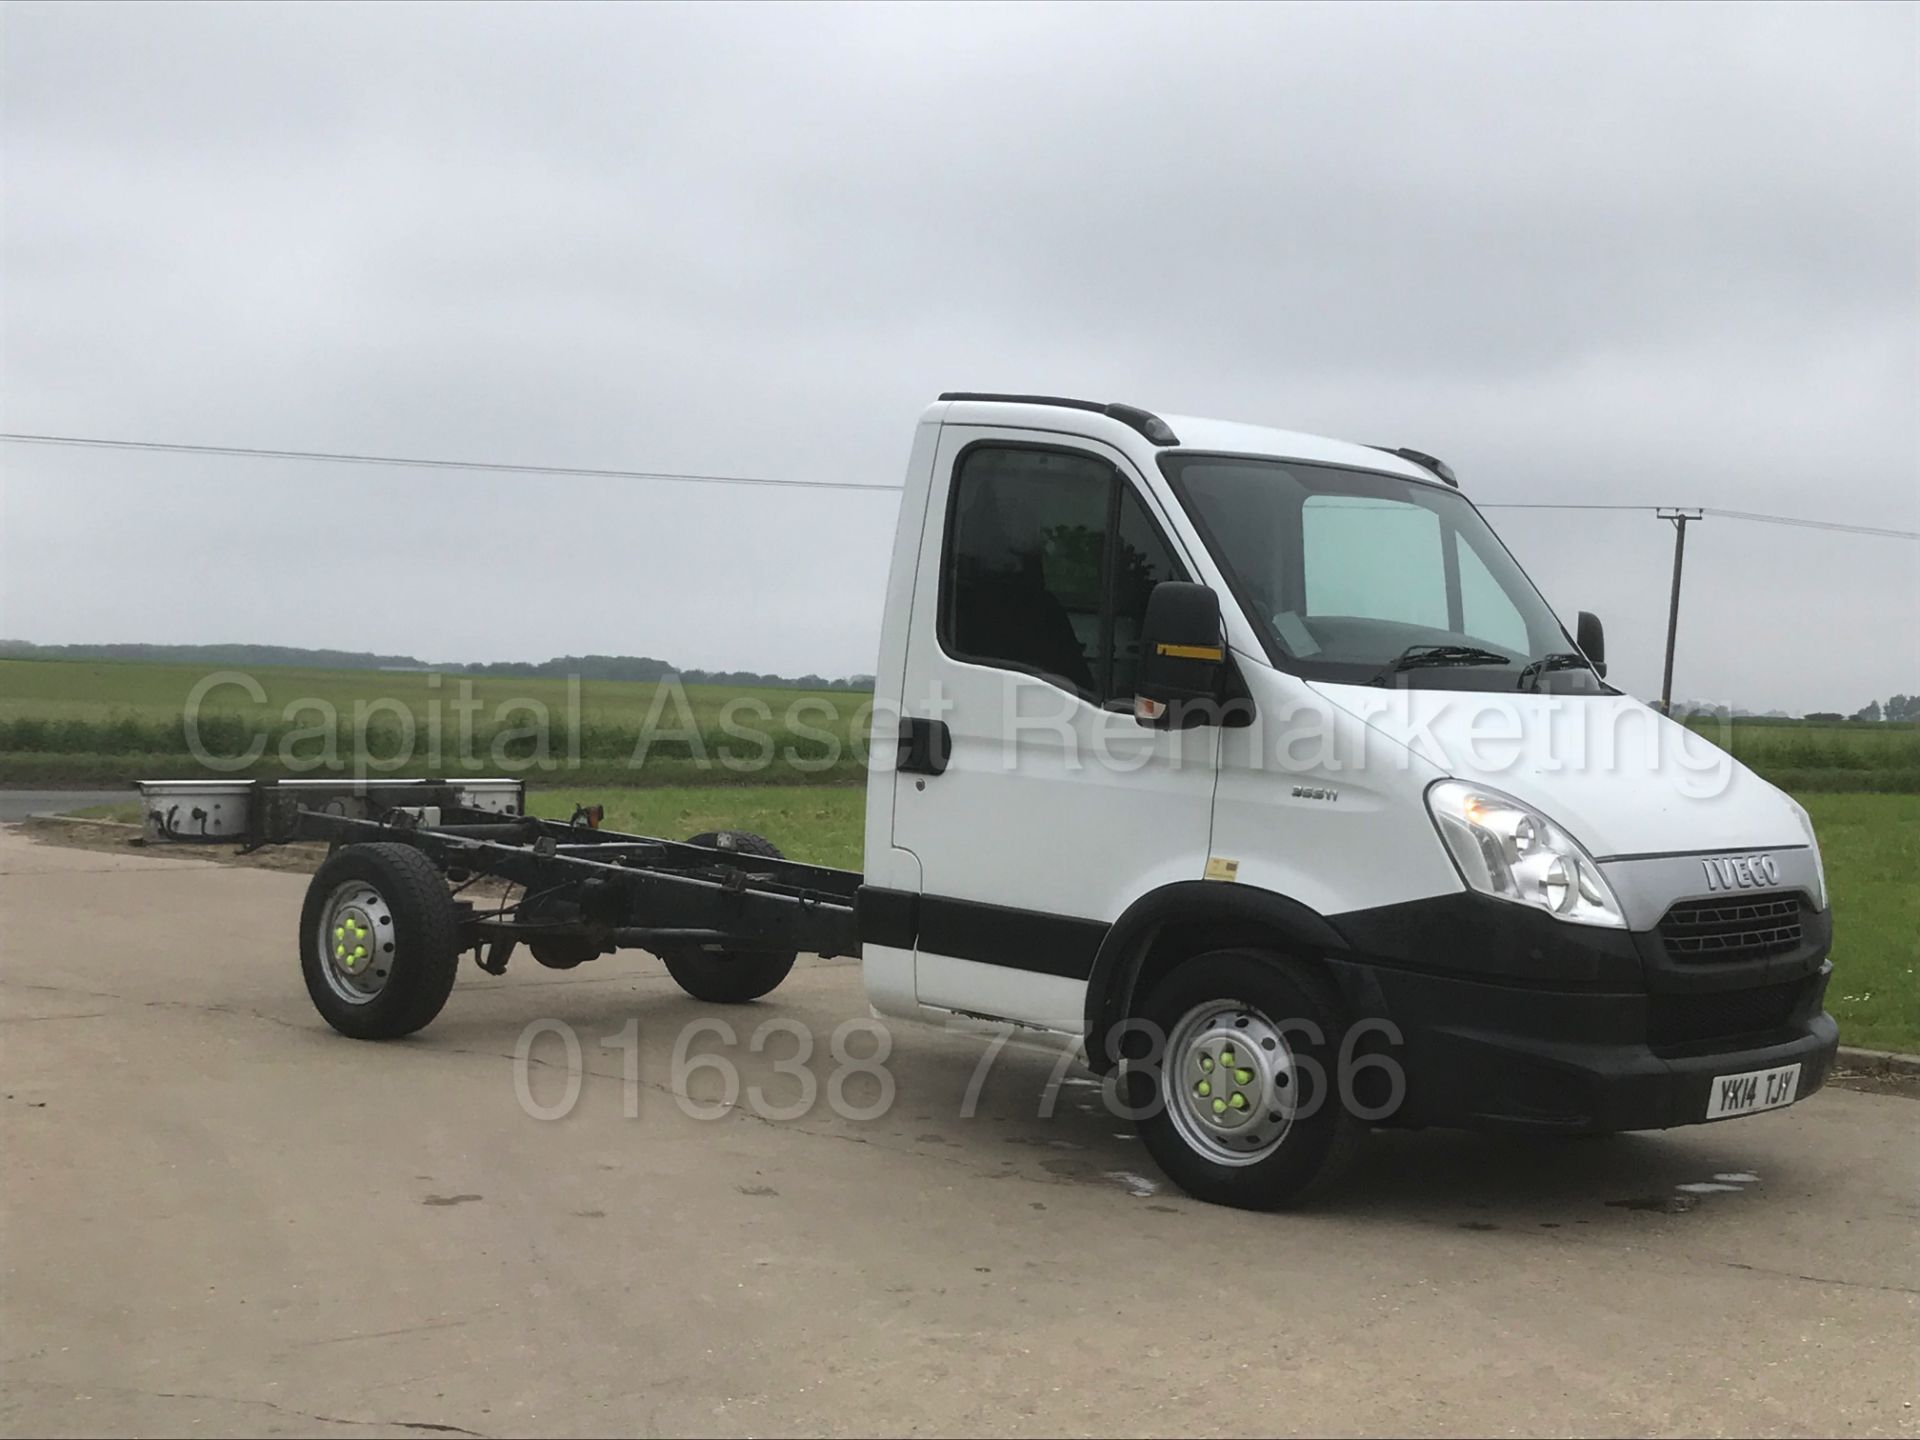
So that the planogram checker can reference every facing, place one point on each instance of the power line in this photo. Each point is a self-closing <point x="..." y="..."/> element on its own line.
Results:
<point x="499" y="467"/>
<point x="592" y="473"/>
<point x="1795" y="520"/>
<point x="1816" y="524"/>
<point x="1544" y="505"/>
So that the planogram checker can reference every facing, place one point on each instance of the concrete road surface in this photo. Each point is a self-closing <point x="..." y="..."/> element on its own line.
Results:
<point x="221" y="1218"/>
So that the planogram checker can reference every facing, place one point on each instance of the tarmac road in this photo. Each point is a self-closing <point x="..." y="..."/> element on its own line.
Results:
<point x="222" y="1218"/>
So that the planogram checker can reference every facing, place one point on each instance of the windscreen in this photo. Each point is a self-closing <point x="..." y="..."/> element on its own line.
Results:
<point x="1362" y="577"/>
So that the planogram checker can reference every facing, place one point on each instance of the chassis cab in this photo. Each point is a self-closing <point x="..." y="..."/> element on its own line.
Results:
<point x="1250" y="761"/>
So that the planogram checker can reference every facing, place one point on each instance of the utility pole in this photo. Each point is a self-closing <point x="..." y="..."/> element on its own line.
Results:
<point x="1679" y="515"/>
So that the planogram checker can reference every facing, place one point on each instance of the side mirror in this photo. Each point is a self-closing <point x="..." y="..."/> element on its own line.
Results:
<point x="1183" y="656"/>
<point x="1592" y="640"/>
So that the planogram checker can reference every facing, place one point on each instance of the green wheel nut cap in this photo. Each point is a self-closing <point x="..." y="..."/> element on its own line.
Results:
<point x="1245" y="1077"/>
<point x="1239" y="1101"/>
<point x="1219" y="1107"/>
<point x="1203" y="1088"/>
<point x="1206" y="1062"/>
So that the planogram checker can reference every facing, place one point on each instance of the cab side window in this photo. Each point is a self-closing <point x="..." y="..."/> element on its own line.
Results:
<point x="1049" y="560"/>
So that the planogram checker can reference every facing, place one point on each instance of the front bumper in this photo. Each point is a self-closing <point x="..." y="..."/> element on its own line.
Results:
<point x="1559" y="1028"/>
<point x="1492" y="1057"/>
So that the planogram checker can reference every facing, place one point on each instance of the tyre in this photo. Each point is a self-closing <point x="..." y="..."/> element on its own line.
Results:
<point x="730" y="977"/>
<point x="1243" y="1107"/>
<point x="378" y="941"/>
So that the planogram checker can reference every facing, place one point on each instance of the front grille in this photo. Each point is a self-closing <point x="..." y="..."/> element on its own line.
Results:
<point x="1722" y="1015"/>
<point x="1707" y="931"/>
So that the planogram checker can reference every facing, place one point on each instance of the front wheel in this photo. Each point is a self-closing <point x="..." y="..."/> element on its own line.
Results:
<point x="379" y="945"/>
<point x="1241" y="1107"/>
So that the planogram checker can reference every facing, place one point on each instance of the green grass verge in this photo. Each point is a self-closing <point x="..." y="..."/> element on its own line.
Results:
<point x="1871" y="847"/>
<point x="821" y="824"/>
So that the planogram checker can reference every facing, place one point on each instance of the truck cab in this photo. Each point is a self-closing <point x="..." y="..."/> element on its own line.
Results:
<point x="1254" y="762"/>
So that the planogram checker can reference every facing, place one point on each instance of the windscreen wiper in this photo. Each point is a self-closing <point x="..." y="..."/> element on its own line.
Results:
<point x="1560" y="660"/>
<point x="1420" y="657"/>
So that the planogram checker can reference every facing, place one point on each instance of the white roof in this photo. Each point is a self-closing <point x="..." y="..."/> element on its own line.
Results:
<point x="1232" y="435"/>
<point x="1194" y="433"/>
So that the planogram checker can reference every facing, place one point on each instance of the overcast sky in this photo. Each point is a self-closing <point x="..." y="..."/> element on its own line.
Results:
<point x="1614" y="254"/>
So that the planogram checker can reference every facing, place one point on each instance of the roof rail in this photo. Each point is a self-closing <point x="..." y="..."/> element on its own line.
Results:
<point x="1422" y="459"/>
<point x="1132" y="416"/>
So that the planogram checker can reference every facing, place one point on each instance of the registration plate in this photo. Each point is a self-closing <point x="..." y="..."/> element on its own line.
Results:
<point x="1752" y="1090"/>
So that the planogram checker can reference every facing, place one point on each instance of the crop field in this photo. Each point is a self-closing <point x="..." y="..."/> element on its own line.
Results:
<point x="65" y="722"/>
<point x="1815" y="757"/>
<point x="73" y="722"/>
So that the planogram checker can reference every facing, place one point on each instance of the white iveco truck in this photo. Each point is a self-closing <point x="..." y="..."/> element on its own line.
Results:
<point x="1249" y="759"/>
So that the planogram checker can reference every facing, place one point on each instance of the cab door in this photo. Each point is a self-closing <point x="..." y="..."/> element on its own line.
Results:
<point x="1037" y="806"/>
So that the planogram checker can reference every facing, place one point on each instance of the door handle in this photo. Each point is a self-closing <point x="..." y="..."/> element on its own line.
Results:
<point x="924" y="746"/>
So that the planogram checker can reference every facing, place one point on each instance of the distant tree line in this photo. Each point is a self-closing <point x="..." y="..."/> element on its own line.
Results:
<point x="237" y="657"/>
<point x="1898" y="707"/>
<point x="645" y="667"/>
<point x="587" y="667"/>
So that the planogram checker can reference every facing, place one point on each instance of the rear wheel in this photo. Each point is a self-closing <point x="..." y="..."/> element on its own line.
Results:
<point x="378" y="941"/>
<point x="728" y="976"/>
<point x="1240" y="1108"/>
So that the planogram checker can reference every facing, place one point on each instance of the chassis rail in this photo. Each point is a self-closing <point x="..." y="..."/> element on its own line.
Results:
<point x="581" y="883"/>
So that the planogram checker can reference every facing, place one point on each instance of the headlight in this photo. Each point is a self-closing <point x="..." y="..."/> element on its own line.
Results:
<point x="1819" y="865"/>
<point x="1512" y="852"/>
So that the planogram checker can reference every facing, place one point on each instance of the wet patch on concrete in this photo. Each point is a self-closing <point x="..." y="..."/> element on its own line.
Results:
<point x="1687" y="1194"/>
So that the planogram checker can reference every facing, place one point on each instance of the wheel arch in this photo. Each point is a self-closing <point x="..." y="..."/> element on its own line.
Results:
<point x="1186" y="918"/>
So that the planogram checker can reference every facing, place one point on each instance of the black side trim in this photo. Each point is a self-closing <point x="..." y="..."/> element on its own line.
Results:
<point x="1020" y="939"/>
<point x="970" y="930"/>
<point x="886" y="917"/>
<point x="1132" y="416"/>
